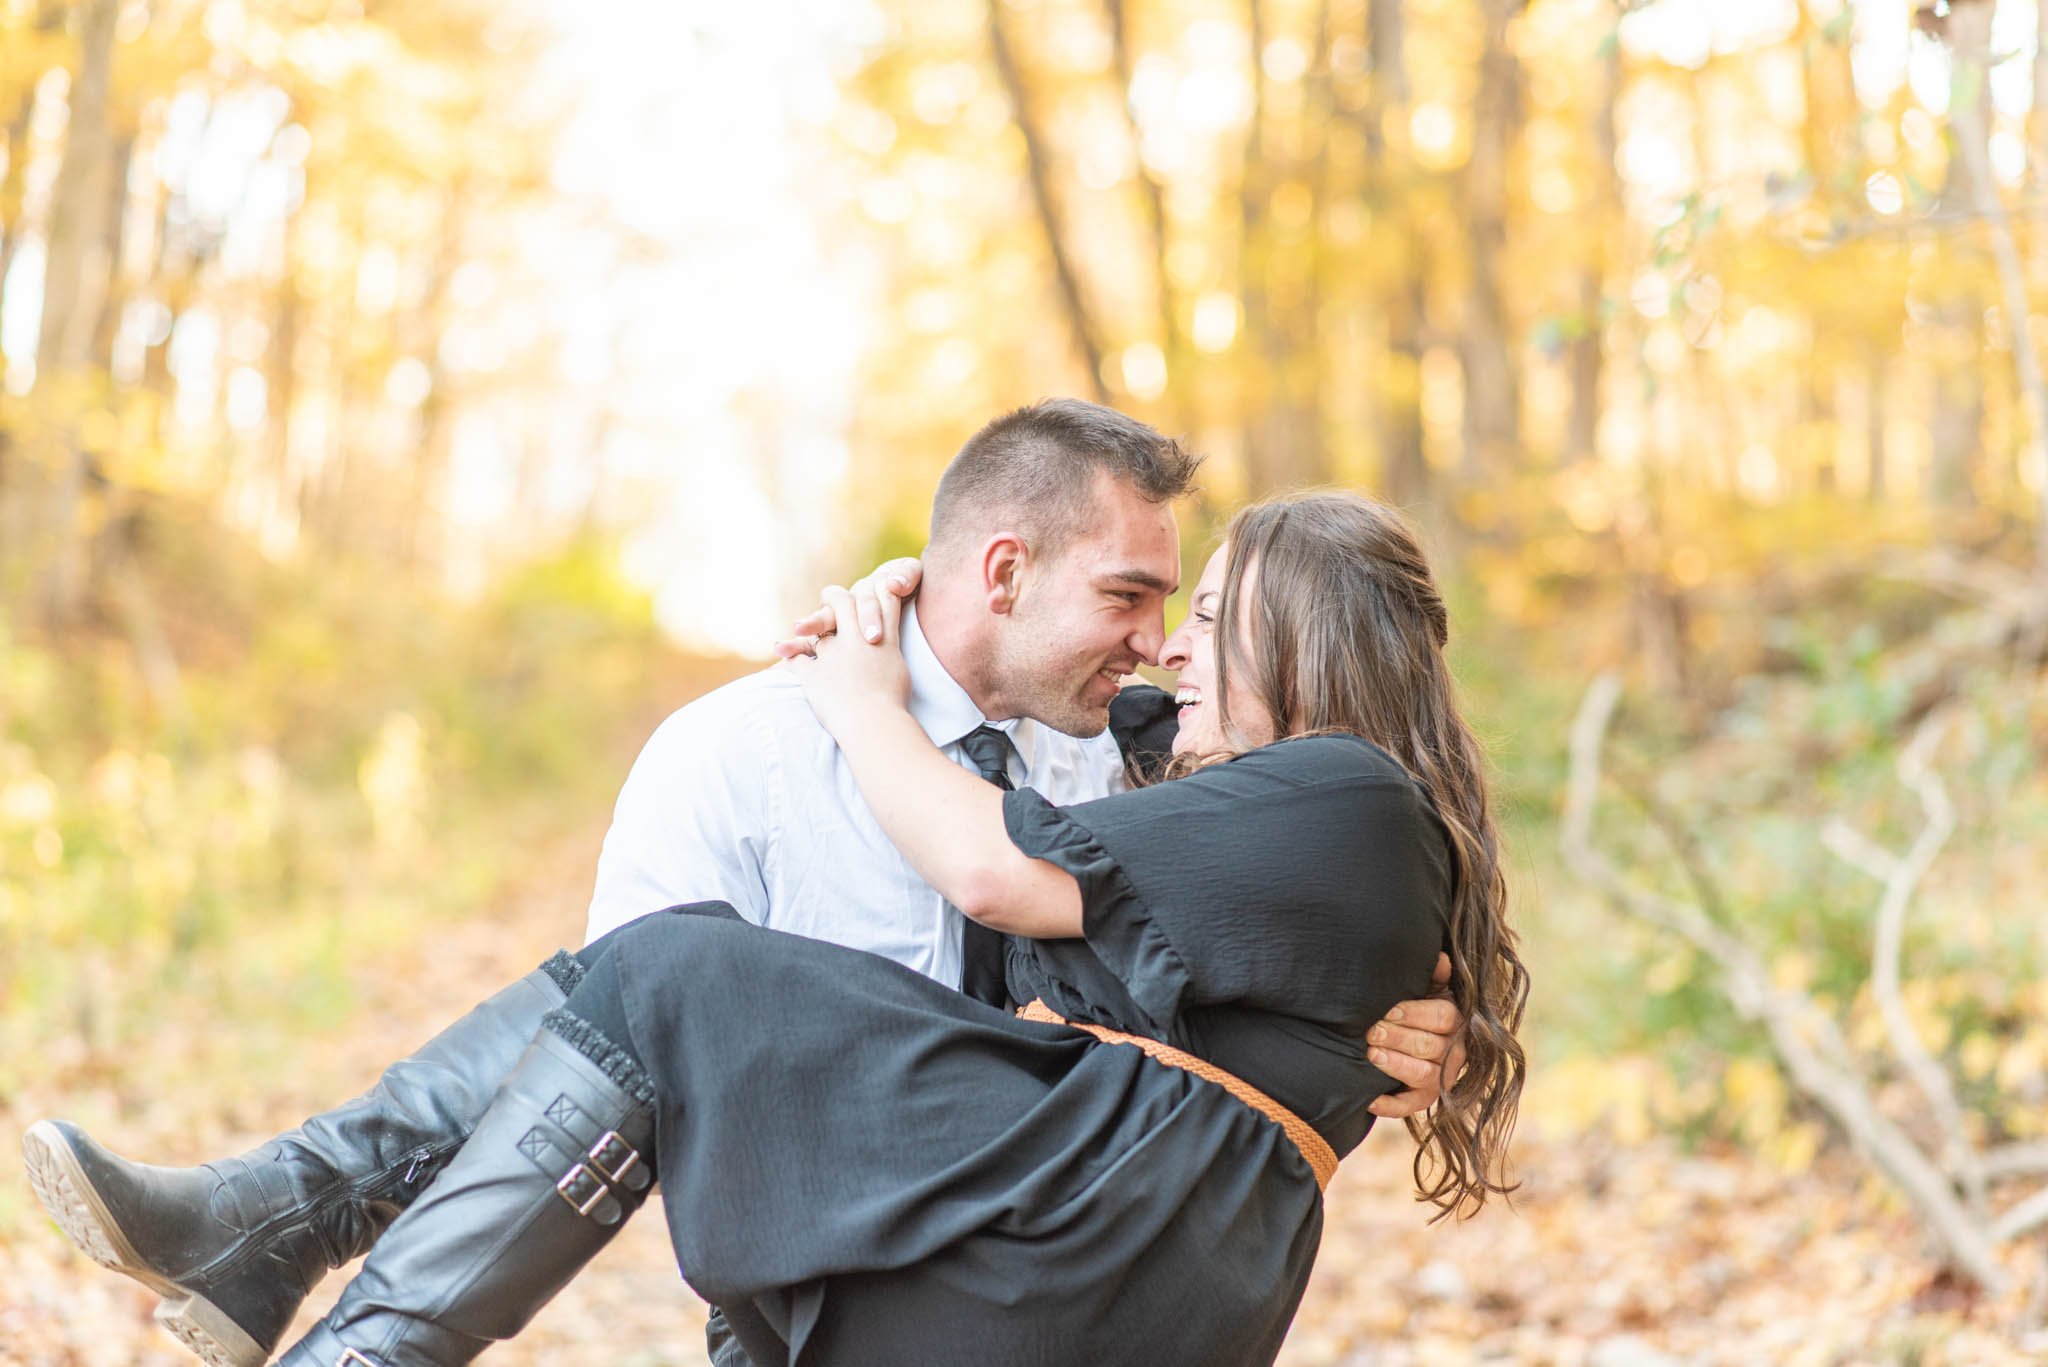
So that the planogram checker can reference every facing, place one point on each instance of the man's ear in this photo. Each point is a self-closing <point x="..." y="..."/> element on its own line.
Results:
<point x="1004" y="559"/>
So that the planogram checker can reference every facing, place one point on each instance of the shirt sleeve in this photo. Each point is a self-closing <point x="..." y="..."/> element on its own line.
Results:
<point x="692" y="822"/>
<point x="1309" y="878"/>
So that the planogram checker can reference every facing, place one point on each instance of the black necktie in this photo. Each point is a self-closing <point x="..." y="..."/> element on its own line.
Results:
<point x="981" y="949"/>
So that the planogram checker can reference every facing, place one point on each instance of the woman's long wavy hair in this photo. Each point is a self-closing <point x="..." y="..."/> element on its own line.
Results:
<point x="1346" y="633"/>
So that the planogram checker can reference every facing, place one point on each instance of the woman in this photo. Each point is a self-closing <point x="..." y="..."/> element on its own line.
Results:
<point x="893" y="1172"/>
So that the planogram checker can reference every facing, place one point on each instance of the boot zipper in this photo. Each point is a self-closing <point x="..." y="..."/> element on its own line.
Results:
<point x="391" y="1179"/>
<point x="312" y="1215"/>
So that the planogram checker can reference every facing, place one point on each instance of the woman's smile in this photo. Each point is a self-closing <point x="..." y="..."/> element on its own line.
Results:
<point x="1192" y="651"/>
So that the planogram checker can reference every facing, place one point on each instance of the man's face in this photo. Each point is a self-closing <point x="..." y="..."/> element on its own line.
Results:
<point x="1090" y="615"/>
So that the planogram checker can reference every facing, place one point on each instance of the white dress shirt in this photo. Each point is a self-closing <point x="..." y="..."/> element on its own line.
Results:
<point x="742" y="797"/>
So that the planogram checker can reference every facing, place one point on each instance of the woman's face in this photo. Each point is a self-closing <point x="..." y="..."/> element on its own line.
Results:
<point x="1192" y="651"/>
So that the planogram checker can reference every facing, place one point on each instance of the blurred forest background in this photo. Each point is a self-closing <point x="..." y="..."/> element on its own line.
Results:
<point x="406" y="402"/>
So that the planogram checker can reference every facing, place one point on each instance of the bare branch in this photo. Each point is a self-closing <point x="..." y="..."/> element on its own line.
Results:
<point x="1806" y="1039"/>
<point x="1993" y="584"/>
<point x="1901" y="876"/>
<point x="1684" y="843"/>
<point x="1854" y="847"/>
<point x="2016" y="1160"/>
<point x="2024" y="1218"/>
<point x="1589" y="732"/>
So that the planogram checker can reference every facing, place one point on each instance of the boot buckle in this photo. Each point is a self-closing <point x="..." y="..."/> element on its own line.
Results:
<point x="351" y="1358"/>
<point x="611" y="1158"/>
<point x="582" y="1189"/>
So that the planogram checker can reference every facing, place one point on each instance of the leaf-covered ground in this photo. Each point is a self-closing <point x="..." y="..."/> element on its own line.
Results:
<point x="1614" y="1256"/>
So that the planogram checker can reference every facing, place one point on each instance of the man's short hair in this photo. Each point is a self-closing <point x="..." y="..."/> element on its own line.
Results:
<point x="1036" y="468"/>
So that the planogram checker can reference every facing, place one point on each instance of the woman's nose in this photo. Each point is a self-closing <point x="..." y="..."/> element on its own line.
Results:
<point x="1173" y="653"/>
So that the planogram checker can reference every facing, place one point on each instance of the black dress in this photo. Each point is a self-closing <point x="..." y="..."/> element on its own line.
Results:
<point x="862" y="1166"/>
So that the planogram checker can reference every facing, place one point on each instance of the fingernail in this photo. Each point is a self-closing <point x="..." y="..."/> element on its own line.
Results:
<point x="873" y="633"/>
<point x="1378" y="1034"/>
<point x="898" y="582"/>
<point x="1394" y="1014"/>
<point x="1378" y="1056"/>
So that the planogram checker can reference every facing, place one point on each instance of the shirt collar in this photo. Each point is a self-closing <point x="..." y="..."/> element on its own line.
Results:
<point x="942" y="707"/>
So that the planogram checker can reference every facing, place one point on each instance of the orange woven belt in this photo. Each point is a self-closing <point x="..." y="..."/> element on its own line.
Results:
<point x="1321" y="1158"/>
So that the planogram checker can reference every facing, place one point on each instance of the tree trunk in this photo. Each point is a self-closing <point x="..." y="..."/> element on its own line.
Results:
<point x="1955" y="430"/>
<point x="12" y="189"/>
<point x="281" y="380"/>
<point x="76" y="270"/>
<point x="49" y="16"/>
<point x="1172" y="339"/>
<point x="176" y="263"/>
<point x="1254" y="195"/>
<point x="1830" y="134"/>
<point x="1492" y="426"/>
<point x="2037" y="117"/>
<point x="1045" y="197"/>
<point x="114" y="298"/>
<point x="1956" y="425"/>
<point x="1657" y="615"/>
<point x="1386" y="39"/>
<point x="430" y="447"/>
<point x="1403" y="456"/>
<point x="1659" y="620"/>
<point x="1311" y="452"/>
<point x="20" y="496"/>
<point x="1817" y="433"/>
<point x="11" y="228"/>
<point x="1970" y="122"/>
<point x="325" y="486"/>
<point x="1583" y="354"/>
<point x="74" y="283"/>
<point x="1283" y="432"/>
<point x="1403" y="302"/>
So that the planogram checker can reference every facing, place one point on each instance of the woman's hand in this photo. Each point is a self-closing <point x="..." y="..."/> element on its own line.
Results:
<point x="894" y="579"/>
<point x="843" y="677"/>
<point x="947" y="821"/>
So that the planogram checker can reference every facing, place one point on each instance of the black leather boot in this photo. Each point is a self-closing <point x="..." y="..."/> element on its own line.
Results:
<point x="233" y="1247"/>
<point x="556" y="1165"/>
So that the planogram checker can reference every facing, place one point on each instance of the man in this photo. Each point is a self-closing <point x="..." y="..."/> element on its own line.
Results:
<point x="1053" y="550"/>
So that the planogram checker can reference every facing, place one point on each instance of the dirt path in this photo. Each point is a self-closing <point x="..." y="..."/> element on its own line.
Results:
<point x="1617" y="1258"/>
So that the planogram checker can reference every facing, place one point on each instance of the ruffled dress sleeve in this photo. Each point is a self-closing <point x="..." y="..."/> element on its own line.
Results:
<point x="1310" y="878"/>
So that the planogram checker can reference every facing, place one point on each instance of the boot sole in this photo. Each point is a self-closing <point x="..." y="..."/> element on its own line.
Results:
<point x="67" y="1194"/>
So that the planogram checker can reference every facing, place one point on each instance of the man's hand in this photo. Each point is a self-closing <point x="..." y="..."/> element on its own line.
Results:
<point x="1418" y="1044"/>
<point x="898" y="578"/>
